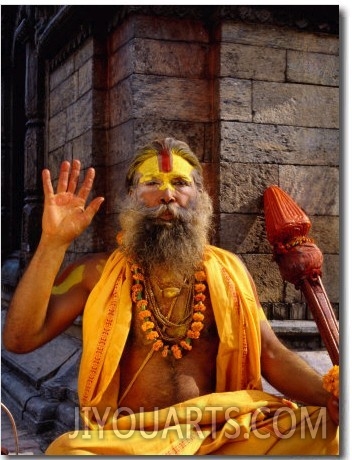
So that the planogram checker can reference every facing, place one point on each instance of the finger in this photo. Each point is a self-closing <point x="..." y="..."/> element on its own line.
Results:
<point x="94" y="206"/>
<point x="47" y="185"/>
<point x="63" y="177"/>
<point x="87" y="185"/>
<point x="74" y="176"/>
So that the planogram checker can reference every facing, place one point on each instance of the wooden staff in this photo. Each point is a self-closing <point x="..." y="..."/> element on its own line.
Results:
<point x="300" y="261"/>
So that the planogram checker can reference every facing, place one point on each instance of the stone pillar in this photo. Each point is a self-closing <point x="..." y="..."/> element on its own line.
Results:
<point x="33" y="148"/>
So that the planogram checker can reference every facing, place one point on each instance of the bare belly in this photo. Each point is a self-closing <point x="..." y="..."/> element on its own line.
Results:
<point x="166" y="381"/>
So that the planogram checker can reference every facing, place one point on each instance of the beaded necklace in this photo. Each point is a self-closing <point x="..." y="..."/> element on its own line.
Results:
<point x="149" y="324"/>
<point x="169" y="329"/>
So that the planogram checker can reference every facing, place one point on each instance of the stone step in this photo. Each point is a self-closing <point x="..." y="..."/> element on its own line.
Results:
<point x="298" y="334"/>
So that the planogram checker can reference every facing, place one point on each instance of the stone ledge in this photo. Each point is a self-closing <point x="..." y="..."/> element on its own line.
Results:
<point x="298" y="335"/>
<point x="294" y="327"/>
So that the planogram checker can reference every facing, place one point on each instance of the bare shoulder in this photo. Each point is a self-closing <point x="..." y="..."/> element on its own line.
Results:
<point x="85" y="271"/>
<point x="93" y="267"/>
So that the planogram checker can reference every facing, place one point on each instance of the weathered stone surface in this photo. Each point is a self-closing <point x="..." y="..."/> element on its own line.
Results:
<point x="266" y="276"/>
<point x="235" y="99"/>
<point x="19" y="390"/>
<point x="177" y="59"/>
<point x="121" y="103"/>
<point x="34" y="152"/>
<point x="121" y="35"/>
<point x="61" y="73"/>
<point x="252" y="62"/>
<point x="171" y="98"/>
<point x="315" y="189"/>
<point x="242" y="186"/>
<point x="148" y="129"/>
<point x="325" y="232"/>
<point x="64" y="95"/>
<point x="90" y="148"/>
<point x="85" y="78"/>
<point x="100" y="72"/>
<point x="313" y="68"/>
<point x="260" y="143"/>
<point x="128" y="137"/>
<point x="79" y="116"/>
<point x="121" y="143"/>
<point x="293" y="296"/>
<point x="298" y="311"/>
<point x="42" y="363"/>
<point x="121" y="64"/>
<point x="63" y="385"/>
<point x="331" y="277"/>
<point x="243" y="233"/>
<point x="296" y="104"/>
<point x="100" y="118"/>
<point x="84" y="53"/>
<point x="40" y="414"/>
<point x="277" y="37"/>
<point x="280" y="311"/>
<point x="57" y="131"/>
<point x="171" y="28"/>
<point x="159" y="28"/>
<point x="211" y="182"/>
<point x="115" y="187"/>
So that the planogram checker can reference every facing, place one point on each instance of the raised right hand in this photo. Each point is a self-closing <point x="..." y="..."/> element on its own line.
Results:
<point x="66" y="215"/>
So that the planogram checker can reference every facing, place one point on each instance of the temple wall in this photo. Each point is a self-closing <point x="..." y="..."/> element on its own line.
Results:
<point x="253" y="90"/>
<point x="258" y="104"/>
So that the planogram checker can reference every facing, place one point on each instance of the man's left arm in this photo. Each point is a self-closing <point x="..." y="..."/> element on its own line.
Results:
<point x="291" y="375"/>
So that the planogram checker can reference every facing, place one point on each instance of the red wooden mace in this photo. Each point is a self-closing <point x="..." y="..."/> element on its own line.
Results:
<point x="300" y="261"/>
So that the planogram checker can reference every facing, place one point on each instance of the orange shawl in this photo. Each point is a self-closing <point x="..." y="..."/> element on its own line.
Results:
<point x="107" y="319"/>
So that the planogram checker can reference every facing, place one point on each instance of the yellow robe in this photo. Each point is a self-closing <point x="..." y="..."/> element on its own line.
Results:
<point x="223" y="420"/>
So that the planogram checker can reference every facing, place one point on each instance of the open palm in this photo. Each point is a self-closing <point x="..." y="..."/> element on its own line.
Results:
<point x="65" y="216"/>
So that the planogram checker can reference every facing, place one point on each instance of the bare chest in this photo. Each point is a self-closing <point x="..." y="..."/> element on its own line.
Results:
<point x="149" y="380"/>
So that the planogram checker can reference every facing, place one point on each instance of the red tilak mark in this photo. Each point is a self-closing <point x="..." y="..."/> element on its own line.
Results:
<point x="165" y="161"/>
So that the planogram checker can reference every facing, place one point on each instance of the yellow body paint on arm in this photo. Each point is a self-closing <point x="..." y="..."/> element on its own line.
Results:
<point x="73" y="278"/>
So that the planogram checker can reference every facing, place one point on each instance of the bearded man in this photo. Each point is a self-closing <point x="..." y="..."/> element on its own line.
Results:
<point x="175" y="341"/>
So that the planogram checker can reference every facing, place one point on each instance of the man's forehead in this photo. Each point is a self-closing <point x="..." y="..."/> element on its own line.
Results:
<point x="165" y="160"/>
<point x="165" y="163"/>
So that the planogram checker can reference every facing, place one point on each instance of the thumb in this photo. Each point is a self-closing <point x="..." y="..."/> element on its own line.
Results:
<point x="94" y="206"/>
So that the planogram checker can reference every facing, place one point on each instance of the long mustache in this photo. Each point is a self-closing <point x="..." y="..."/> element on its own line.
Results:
<point x="179" y="213"/>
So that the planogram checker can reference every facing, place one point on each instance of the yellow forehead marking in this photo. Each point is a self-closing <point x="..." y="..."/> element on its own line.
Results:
<point x="149" y="171"/>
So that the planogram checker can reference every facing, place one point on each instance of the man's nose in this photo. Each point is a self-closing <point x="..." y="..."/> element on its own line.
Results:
<point x="167" y="196"/>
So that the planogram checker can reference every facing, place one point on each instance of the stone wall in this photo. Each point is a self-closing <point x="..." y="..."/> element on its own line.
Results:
<point x="258" y="104"/>
<point x="279" y="124"/>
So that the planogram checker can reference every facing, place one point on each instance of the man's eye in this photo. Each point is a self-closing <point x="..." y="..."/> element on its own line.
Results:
<point x="180" y="183"/>
<point x="152" y="183"/>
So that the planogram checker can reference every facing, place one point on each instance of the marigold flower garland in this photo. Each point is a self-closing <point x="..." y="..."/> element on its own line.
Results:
<point x="145" y="315"/>
<point x="331" y="381"/>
